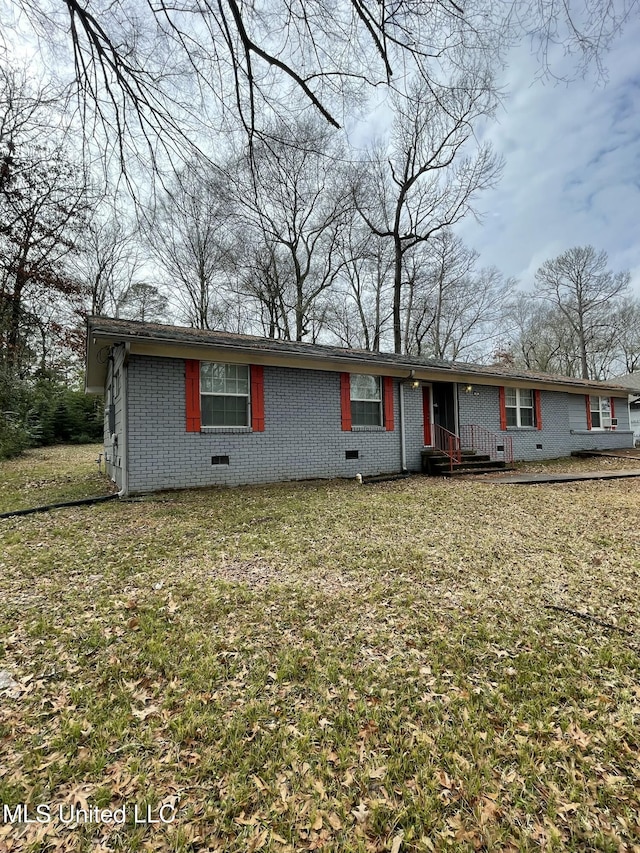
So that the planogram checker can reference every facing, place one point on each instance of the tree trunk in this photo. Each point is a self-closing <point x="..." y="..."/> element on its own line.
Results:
<point x="15" y="316"/>
<point x="397" y="296"/>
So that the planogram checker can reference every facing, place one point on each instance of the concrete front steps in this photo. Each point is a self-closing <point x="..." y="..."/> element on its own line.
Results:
<point x="437" y="464"/>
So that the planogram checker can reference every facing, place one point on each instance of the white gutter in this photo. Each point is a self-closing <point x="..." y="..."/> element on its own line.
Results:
<point x="124" y="491"/>
<point x="456" y="412"/>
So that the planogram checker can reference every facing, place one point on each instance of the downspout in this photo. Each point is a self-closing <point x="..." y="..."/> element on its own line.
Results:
<point x="456" y="408"/>
<point x="124" y="491"/>
<point x="109" y="402"/>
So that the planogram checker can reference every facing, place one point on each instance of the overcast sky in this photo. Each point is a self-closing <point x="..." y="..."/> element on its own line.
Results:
<point x="572" y="167"/>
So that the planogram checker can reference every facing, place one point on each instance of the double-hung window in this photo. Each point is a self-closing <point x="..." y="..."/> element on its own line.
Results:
<point x="224" y="394"/>
<point x="366" y="400"/>
<point x="600" y="409"/>
<point x="520" y="407"/>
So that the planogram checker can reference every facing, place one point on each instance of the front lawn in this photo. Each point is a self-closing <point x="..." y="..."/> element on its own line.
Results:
<point x="50" y="475"/>
<point x="326" y="666"/>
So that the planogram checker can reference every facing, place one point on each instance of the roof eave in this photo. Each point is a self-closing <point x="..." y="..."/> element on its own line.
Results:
<point x="174" y="347"/>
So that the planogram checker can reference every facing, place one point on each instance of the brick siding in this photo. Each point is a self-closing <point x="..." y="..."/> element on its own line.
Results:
<point x="302" y="437"/>
<point x="564" y="424"/>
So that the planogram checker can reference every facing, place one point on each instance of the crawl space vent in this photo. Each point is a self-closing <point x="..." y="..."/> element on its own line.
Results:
<point x="219" y="460"/>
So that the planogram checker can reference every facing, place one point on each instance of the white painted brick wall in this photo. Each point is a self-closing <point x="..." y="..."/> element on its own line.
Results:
<point x="559" y="411"/>
<point x="302" y="438"/>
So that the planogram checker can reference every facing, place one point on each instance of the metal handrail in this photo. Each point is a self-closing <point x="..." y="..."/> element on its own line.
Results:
<point x="449" y="443"/>
<point x="497" y="446"/>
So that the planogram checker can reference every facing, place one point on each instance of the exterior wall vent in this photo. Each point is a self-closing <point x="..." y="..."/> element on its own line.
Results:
<point x="352" y="454"/>
<point x="219" y="460"/>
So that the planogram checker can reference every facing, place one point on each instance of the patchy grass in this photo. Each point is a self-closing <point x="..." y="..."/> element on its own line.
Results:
<point x="573" y="464"/>
<point x="322" y="666"/>
<point x="52" y="475"/>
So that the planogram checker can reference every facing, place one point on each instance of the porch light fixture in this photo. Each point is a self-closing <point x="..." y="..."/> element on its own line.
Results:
<point x="411" y="381"/>
<point x="468" y="389"/>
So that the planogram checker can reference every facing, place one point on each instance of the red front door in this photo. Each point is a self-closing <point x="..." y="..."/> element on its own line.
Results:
<point x="426" y="414"/>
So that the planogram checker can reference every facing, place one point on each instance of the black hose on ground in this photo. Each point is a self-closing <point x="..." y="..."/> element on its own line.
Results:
<point x="46" y="508"/>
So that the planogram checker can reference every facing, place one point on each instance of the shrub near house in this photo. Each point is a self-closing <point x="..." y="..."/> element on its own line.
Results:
<point x="45" y="412"/>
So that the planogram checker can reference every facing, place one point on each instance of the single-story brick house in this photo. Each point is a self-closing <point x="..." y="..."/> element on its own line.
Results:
<point x="186" y="407"/>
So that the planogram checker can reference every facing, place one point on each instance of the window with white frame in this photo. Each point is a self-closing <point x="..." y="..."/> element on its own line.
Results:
<point x="224" y="394"/>
<point x="366" y="400"/>
<point x="519" y="407"/>
<point x="600" y="408"/>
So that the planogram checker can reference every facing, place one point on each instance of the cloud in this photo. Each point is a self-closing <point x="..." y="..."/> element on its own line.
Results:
<point x="572" y="167"/>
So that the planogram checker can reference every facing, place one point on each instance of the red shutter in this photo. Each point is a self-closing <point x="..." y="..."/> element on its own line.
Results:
<point x="426" y="414"/>
<point x="192" y="394"/>
<point x="257" y="397"/>
<point x="613" y="411"/>
<point x="537" y="402"/>
<point x="503" y="408"/>
<point x="588" y="405"/>
<point x="387" y="402"/>
<point x="345" y="401"/>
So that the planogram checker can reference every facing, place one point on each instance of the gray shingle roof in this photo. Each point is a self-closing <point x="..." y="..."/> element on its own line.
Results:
<point x="629" y="380"/>
<point x="157" y="332"/>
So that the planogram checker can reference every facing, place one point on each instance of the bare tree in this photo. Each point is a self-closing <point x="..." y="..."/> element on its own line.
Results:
<point x="360" y="310"/>
<point x="159" y="70"/>
<point x="585" y="30"/>
<point x="107" y="262"/>
<point x="44" y="207"/>
<point x="292" y="206"/>
<point x="26" y="112"/>
<point x="441" y="270"/>
<point x="541" y="338"/>
<point x="578" y="284"/>
<point x="186" y="235"/>
<point x="144" y="302"/>
<point x="265" y="280"/>
<point x="535" y="339"/>
<point x="538" y="337"/>
<point x="427" y="181"/>
<point x="45" y="201"/>
<point x="628" y="334"/>
<point x="453" y="310"/>
<point x="169" y="74"/>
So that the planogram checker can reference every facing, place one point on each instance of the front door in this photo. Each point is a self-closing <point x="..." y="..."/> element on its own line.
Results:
<point x="444" y="409"/>
<point x="426" y="414"/>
